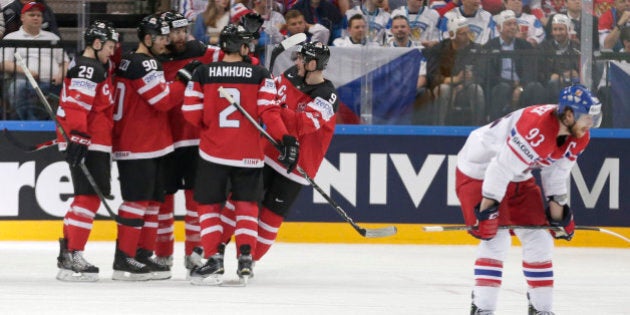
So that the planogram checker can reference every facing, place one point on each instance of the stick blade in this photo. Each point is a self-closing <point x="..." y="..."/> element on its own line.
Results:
<point x="293" y="40"/>
<point x="380" y="232"/>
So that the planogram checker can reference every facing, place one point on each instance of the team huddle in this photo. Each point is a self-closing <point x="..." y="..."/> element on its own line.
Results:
<point x="160" y="115"/>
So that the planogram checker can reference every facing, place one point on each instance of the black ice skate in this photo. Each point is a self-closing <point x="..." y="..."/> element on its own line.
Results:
<point x="73" y="267"/>
<point x="195" y="259"/>
<point x="211" y="273"/>
<point x="474" y="310"/>
<point x="128" y="269"/>
<point x="245" y="264"/>
<point x="531" y="310"/>
<point x="158" y="271"/>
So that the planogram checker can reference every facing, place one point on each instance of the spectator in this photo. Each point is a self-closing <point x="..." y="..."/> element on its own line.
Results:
<point x="357" y="35"/>
<point x="574" y="12"/>
<point x="605" y="84"/>
<point x="543" y="9"/>
<point x="297" y="24"/>
<point x="192" y="8"/>
<point x="529" y="27"/>
<point x="610" y="24"/>
<point x="479" y="20"/>
<point x="12" y="13"/>
<point x="210" y="22"/>
<point x="274" y="21"/>
<point x="324" y="13"/>
<point x="560" y="65"/>
<point x="423" y="22"/>
<point x="47" y="65"/>
<point x="378" y="20"/>
<point x="511" y="74"/>
<point x="452" y="73"/>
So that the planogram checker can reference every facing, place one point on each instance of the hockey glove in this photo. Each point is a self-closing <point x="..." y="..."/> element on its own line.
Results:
<point x="185" y="74"/>
<point x="77" y="147"/>
<point x="289" y="152"/>
<point x="487" y="223"/>
<point x="565" y="227"/>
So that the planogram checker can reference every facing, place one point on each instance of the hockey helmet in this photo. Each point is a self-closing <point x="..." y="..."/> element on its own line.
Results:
<point x="152" y="25"/>
<point x="315" y="51"/>
<point x="100" y="30"/>
<point x="582" y="102"/>
<point x="174" y="19"/>
<point x="233" y="37"/>
<point x="252" y="22"/>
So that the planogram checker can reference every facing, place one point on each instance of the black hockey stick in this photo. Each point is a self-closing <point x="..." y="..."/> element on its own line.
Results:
<point x="27" y="147"/>
<point x="380" y="232"/>
<point x="64" y="135"/>
<point x="284" y="45"/>
<point x="440" y="228"/>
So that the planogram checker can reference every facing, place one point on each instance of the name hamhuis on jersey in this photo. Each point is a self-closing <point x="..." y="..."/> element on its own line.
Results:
<point x="230" y="71"/>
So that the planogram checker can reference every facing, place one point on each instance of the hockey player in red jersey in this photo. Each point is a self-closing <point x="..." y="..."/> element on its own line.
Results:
<point x="495" y="186"/>
<point x="229" y="148"/>
<point x="85" y="112"/>
<point x="309" y="104"/>
<point x="141" y="139"/>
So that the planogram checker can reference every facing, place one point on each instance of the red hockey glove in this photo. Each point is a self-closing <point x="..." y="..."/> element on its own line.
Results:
<point x="77" y="147"/>
<point x="487" y="223"/>
<point x="289" y="152"/>
<point x="185" y="74"/>
<point x="565" y="227"/>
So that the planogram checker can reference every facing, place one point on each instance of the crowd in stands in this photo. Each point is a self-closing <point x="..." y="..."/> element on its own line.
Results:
<point x="451" y="34"/>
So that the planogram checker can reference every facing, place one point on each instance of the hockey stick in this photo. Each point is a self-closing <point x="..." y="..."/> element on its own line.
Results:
<point x="64" y="135"/>
<point x="440" y="228"/>
<point x="371" y="233"/>
<point x="284" y="45"/>
<point x="26" y="147"/>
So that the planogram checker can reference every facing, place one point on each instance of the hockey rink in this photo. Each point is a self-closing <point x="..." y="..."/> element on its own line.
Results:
<point x="314" y="279"/>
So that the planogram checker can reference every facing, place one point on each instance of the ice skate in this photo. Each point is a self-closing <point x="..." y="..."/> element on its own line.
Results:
<point x="211" y="273"/>
<point x="195" y="259"/>
<point x="245" y="264"/>
<point x="73" y="267"/>
<point x="531" y="310"/>
<point x="128" y="269"/>
<point x="158" y="271"/>
<point x="164" y="260"/>
<point x="474" y="310"/>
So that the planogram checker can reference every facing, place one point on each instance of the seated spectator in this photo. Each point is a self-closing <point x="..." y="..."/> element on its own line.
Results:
<point x="529" y="27"/>
<point x="452" y="71"/>
<point x="574" y="12"/>
<point x="543" y="9"/>
<point x="12" y="12"/>
<point x="605" y="84"/>
<point x="47" y="65"/>
<point x="357" y="34"/>
<point x="274" y="22"/>
<point x="479" y="21"/>
<point x="560" y="65"/>
<point x="611" y="23"/>
<point x="322" y="12"/>
<point x="512" y="73"/>
<point x="422" y="20"/>
<point x="192" y="8"/>
<point x="297" y="24"/>
<point x="377" y="19"/>
<point x="210" y="22"/>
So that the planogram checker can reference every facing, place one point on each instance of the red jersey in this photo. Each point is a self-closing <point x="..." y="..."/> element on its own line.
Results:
<point x="143" y="97"/>
<point x="309" y="114"/>
<point x="85" y="103"/>
<point x="184" y="134"/>
<point x="227" y="137"/>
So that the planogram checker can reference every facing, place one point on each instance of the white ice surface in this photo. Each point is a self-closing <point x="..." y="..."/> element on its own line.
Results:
<point x="314" y="279"/>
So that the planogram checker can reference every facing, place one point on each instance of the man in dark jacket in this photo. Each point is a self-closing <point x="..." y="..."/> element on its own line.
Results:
<point x="322" y="12"/>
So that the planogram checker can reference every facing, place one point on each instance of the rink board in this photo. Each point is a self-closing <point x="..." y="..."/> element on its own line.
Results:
<point x="379" y="175"/>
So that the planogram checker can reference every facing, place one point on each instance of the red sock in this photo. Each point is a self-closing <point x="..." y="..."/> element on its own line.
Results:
<point x="246" y="225"/>
<point x="228" y="221"/>
<point x="148" y="233"/>
<point x="128" y="236"/>
<point x="210" y="227"/>
<point x="164" y="241"/>
<point x="268" y="225"/>
<point x="77" y="224"/>
<point x="191" y="223"/>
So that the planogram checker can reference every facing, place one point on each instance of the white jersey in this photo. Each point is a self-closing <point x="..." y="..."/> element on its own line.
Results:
<point x="508" y="149"/>
<point x="378" y="21"/>
<point x="424" y="24"/>
<point x="480" y="24"/>
<point x="527" y="23"/>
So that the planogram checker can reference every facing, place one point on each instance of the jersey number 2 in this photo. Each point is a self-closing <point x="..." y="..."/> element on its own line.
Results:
<point x="224" y="121"/>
